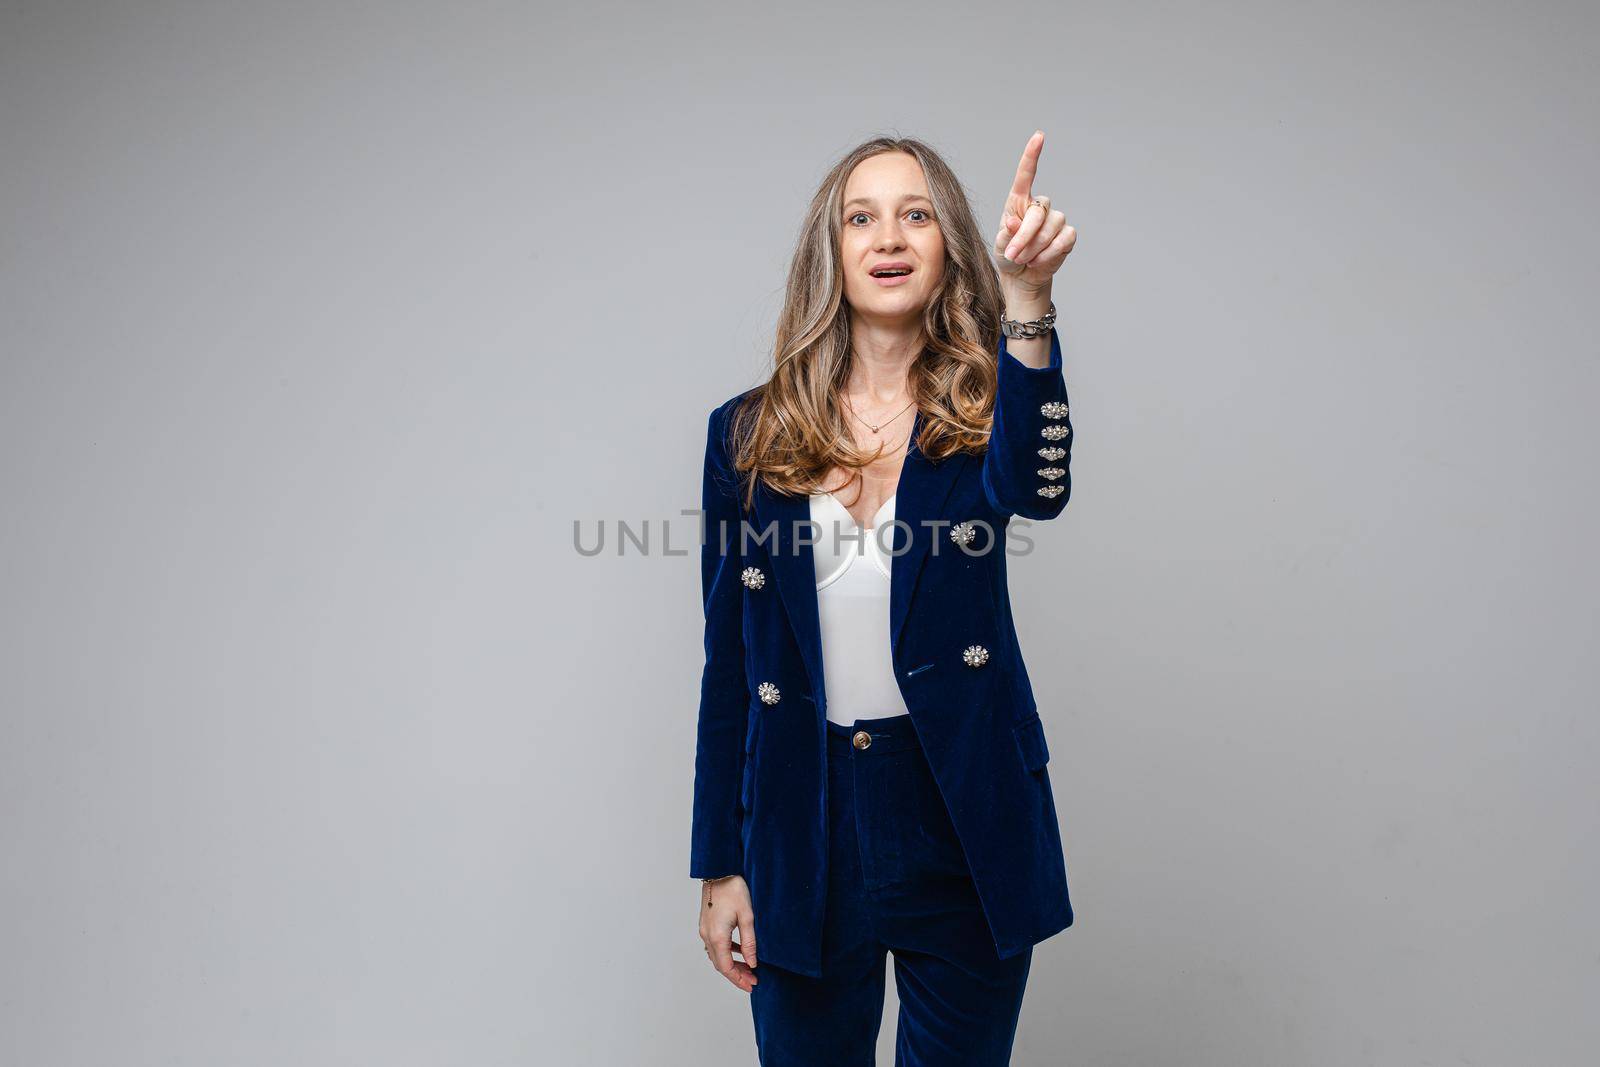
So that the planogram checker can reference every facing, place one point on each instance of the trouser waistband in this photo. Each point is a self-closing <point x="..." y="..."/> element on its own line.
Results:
<point x="894" y="733"/>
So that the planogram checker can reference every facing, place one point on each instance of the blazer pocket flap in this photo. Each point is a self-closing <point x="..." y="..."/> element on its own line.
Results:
<point x="1030" y="742"/>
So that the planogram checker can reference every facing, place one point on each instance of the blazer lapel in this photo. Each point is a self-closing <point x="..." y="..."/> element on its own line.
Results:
<point x="920" y="495"/>
<point x="794" y="567"/>
<point x="924" y="487"/>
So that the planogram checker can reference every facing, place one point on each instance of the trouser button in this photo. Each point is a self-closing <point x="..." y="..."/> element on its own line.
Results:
<point x="861" y="739"/>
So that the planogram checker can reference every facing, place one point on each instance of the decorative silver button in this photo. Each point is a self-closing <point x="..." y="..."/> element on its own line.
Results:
<point x="975" y="655"/>
<point x="767" y="692"/>
<point x="753" y="578"/>
<point x="1052" y="472"/>
<point x="962" y="533"/>
<point x="1052" y="491"/>
<point x="1054" y="410"/>
<point x="1054" y="432"/>
<point x="1052" y="453"/>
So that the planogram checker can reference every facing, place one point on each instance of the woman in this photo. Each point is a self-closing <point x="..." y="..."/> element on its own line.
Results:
<point x="870" y="763"/>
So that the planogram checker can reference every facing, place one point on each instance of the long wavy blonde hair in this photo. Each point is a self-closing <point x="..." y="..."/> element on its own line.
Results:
<point x="790" y="431"/>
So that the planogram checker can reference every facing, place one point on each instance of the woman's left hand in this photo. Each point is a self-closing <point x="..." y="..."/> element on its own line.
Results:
<point x="1033" y="240"/>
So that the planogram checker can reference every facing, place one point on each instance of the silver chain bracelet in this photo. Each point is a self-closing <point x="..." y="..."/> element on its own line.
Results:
<point x="1032" y="328"/>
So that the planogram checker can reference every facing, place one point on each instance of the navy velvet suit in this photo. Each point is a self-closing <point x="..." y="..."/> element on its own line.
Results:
<point x="760" y="785"/>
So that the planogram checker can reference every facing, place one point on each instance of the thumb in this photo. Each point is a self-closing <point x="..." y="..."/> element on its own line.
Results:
<point x="747" y="938"/>
<point x="1009" y="225"/>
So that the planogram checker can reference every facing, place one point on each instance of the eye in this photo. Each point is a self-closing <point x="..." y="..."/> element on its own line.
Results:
<point x="927" y="216"/>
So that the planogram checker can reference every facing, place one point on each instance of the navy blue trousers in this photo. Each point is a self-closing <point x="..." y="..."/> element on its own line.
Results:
<point x="898" y="883"/>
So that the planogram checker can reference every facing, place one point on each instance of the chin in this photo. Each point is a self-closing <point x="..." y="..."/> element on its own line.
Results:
<point x="892" y="298"/>
<point x="899" y="309"/>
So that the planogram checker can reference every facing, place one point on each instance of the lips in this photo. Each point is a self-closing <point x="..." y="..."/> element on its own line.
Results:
<point x="890" y="269"/>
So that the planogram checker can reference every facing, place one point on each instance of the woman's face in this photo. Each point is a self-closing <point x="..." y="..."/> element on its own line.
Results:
<point x="888" y="220"/>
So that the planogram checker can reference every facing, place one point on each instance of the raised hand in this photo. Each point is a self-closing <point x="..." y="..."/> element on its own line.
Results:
<point x="1033" y="240"/>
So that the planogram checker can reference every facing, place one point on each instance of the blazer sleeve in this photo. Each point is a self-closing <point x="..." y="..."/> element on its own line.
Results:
<point x="716" y="844"/>
<point x="1030" y="415"/>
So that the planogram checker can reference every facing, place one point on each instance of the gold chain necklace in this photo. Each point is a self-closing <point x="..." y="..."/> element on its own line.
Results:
<point x="882" y="424"/>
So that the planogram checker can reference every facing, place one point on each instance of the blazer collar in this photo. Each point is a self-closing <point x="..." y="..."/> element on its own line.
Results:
<point x="920" y="494"/>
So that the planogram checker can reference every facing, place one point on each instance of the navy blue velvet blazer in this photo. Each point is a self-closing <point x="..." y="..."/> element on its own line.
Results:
<point x="760" y="779"/>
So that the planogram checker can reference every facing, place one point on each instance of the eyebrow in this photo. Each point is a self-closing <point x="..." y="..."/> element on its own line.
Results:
<point x="869" y="202"/>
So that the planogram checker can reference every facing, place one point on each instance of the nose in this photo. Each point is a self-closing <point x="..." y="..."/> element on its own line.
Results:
<point x="888" y="237"/>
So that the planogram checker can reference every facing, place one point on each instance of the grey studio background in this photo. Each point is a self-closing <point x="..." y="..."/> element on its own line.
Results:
<point x="322" y="324"/>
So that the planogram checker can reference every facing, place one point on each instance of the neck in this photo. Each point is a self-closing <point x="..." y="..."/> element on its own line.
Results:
<point x="881" y="354"/>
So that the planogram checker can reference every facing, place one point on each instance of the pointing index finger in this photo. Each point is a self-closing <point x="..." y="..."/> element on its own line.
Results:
<point x="1028" y="167"/>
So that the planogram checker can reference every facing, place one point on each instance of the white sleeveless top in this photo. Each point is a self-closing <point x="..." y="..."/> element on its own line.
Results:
<point x="852" y="576"/>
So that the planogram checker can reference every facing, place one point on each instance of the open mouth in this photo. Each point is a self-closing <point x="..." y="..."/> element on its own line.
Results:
<point x="891" y="272"/>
